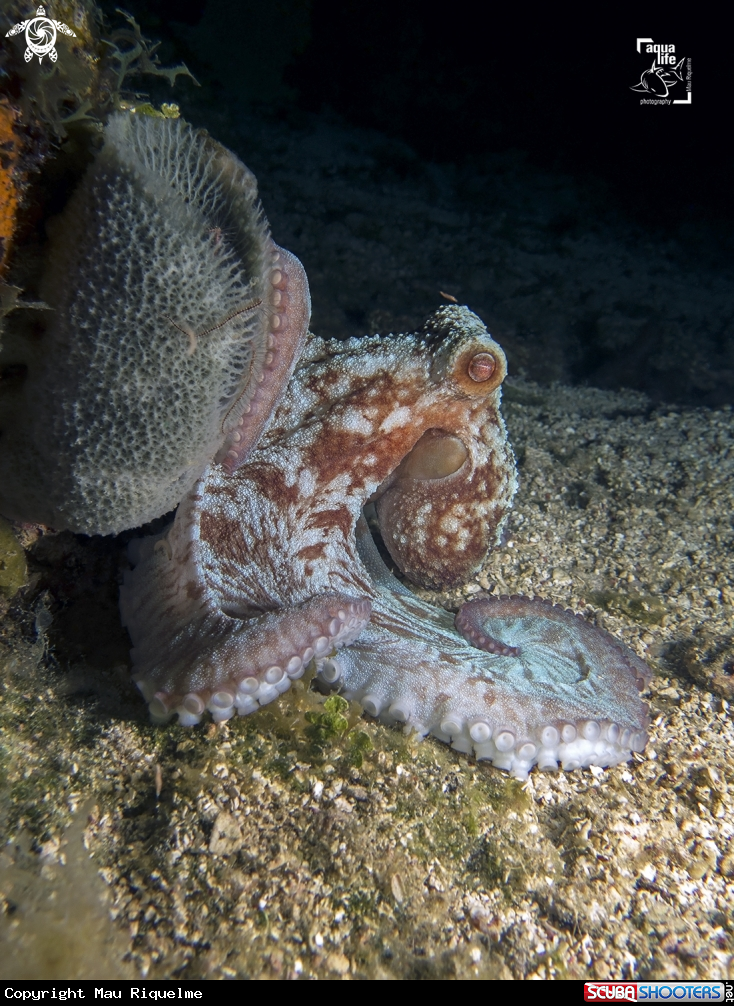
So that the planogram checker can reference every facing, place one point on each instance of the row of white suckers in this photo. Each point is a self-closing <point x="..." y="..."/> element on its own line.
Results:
<point x="253" y="691"/>
<point x="574" y="746"/>
<point x="278" y="303"/>
<point x="245" y="697"/>
<point x="589" y="743"/>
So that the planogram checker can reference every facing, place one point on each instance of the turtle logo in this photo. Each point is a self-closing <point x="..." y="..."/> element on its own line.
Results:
<point x="40" y="36"/>
<point x="658" y="80"/>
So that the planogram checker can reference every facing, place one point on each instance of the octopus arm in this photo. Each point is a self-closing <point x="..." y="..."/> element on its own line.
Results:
<point x="190" y="656"/>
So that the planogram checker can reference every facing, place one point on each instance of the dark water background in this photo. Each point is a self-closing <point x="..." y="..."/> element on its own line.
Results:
<point x="443" y="105"/>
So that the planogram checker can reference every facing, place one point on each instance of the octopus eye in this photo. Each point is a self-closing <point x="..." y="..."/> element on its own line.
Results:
<point x="481" y="367"/>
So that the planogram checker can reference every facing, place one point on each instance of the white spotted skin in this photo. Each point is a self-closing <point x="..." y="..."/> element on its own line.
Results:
<point x="399" y="417"/>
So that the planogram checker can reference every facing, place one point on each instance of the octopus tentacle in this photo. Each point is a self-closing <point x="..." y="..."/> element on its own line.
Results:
<point x="469" y="623"/>
<point x="192" y="652"/>
<point x="568" y="695"/>
<point x="512" y="616"/>
<point x="248" y="664"/>
<point x="288" y="311"/>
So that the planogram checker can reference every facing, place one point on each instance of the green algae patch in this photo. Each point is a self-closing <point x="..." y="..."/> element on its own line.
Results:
<point x="167" y="111"/>
<point x="644" y="608"/>
<point x="330" y="723"/>
<point x="13" y="570"/>
<point x="360" y="743"/>
<point x="307" y="726"/>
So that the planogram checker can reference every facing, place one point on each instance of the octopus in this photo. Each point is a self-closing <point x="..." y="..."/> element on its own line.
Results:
<point x="271" y="567"/>
<point x="277" y="445"/>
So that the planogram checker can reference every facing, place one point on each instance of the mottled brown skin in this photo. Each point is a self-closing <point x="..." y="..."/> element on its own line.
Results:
<point x="445" y="484"/>
<point x="408" y="430"/>
<point x="447" y="474"/>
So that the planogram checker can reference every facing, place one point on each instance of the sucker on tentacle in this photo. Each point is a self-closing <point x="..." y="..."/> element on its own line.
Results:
<point x="570" y="698"/>
<point x="257" y="661"/>
<point x="289" y="311"/>
<point x="469" y="625"/>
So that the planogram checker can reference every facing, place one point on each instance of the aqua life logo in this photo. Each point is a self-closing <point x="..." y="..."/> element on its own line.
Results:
<point x="667" y="74"/>
<point x="40" y="35"/>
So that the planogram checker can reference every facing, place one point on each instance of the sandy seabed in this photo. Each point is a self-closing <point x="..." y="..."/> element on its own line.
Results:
<point x="338" y="848"/>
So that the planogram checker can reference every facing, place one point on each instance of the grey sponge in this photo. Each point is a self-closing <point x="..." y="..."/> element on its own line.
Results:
<point x="155" y="273"/>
